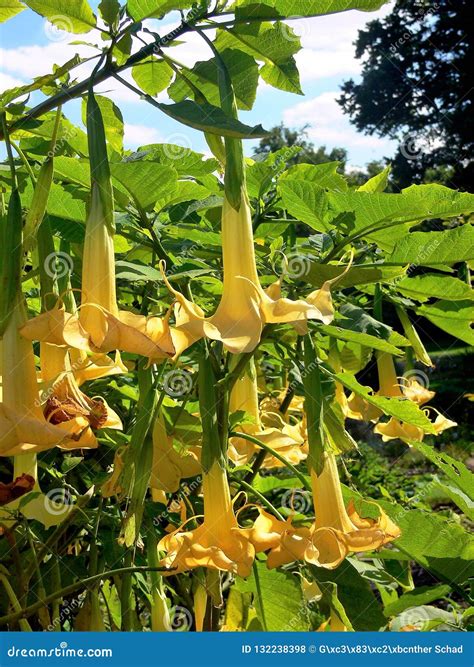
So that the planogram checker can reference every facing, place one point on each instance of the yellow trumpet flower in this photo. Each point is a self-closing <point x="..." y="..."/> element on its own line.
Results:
<point x="284" y="542"/>
<point x="24" y="430"/>
<point x="67" y="406"/>
<point x="245" y="307"/>
<point x="337" y="530"/>
<point x="168" y="465"/>
<point x="267" y="426"/>
<point x="218" y="543"/>
<point x="389" y="386"/>
<point x="23" y="427"/>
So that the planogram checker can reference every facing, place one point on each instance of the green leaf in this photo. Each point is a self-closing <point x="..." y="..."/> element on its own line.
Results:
<point x="134" y="271"/>
<point x="145" y="9"/>
<point x="437" y="544"/>
<point x="269" y="44"/>
<point x="357" y="319"/>
<point x="454" y="317"/>
<point x="113" y="121"/>
<point x="420" y="596"/>
<point x="243" y="71"/>
<point x="402" y="409"/>
<point x="361" y="338"/>
<point x="355" y="594"/>
<point x="152" y="75"/>
<point x="184" y="160"/>
<point x="39" y="82"/>
<point x="71" y="15"/>
<point x="377" y="183"/>
<point x="324" y="175"/>
<point x="297" y="8"/>
<point x="145" y="181"/>
<point x="109" y="10"/>
<point x="453" y="469"/>
<point x="385" y="218"/>
<point x="436" y="285"/>
<point x="277" y="598"/>
<point x="9" y="9"/>
<point x="431" y="248"/>
<point x="208" y="118"/>
<point x="305" y="201"/>
<point x="357" y="275"/>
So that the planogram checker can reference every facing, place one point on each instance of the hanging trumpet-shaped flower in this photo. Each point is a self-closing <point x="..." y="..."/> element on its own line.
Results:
<point x="66" y="405"/>
<point x="389" y="386"/>
<point x="168" y="465"/>
<point x="100" y="326"/>
<point x="218" y="543"/>
<point x="267" y="426"/>
<point x="337" y="530"/>
<point x="24" y="430"/>
<point x="245" y="307"/>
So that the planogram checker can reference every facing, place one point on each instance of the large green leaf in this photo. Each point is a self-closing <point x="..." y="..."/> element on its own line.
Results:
<point x="401" y="409"/>
<point x="438" y="544"/>
<point x="297" y="8"/>
<point x="357" y="275"/>
<point x="455" y="470"/>
<point x="325" y="175"/>
<point x="186" y="161"/>
<point x="9" y="9"/>
<point x="38" y="83"/>
<point x="146" y="181"/>
<point x="71" y="15"/>
<point x="144" y="9"/>
<point x="355" y="594"/>
<point x="431" y="248"/>
<point x="243" y="71"/>
<point x="208" y="118"/>
<point x="269" y="44"/>
<point x="385" y="218"/>
<point x="305" y="201"/>
<point x="454" y="317"/>
<point x="420" y="596"/>
<point x="436" y="285"/>
<point x="361" y="338"/>
<point x="277" y="598"/>
<point x="152" y="75"/>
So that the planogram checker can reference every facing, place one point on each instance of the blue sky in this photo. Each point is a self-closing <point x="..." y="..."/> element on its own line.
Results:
<point x="29" y="47"/>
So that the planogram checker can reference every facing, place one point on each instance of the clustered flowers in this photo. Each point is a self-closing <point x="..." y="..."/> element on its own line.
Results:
<point x="49" y="409"/>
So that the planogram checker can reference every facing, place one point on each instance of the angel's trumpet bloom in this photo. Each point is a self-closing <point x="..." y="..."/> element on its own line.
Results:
<point x="245" y="307"/>
<point x="67" y="406"/>
<point x="284" y="542"/>
<point x="389" y="386"/>
<point x="100" y="326"/>
<point x="23" y="427"/>
<point x="169" y="466"/>
<point x="415" y="391"/>
<point x="338" y="530"/>
<point x="24" y="430"/>
<point x="267" y="426"/>
<point x="334" y="624"/>
<point x="218" y="543"/>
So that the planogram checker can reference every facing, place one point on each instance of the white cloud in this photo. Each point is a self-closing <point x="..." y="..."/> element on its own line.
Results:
<point x="140" y="135"/>
<point x="7" y="82"/>
<point x="328" y="126"/>
<point x="328" y="43"/>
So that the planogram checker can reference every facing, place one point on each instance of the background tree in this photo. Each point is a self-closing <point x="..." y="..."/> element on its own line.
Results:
<point x="417" y="87"/>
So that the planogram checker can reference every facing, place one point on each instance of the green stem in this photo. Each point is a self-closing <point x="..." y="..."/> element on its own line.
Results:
<point x="72" y="588"/>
